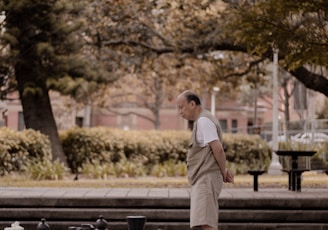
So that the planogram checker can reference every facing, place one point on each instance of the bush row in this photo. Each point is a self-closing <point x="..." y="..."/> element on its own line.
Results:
<point x="18" y="148"/>
<point x="113" y="145"/>
<point x="103" y="146"/>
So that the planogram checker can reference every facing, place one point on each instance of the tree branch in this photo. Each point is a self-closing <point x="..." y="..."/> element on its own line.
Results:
<point x="310" y="80"/>
<point x="129" y="113"/>
<point x="185" y="49"/>
<point x="249" y="68"/>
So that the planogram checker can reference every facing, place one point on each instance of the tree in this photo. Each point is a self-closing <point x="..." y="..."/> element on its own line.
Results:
<point x="155" y="71"/>
<point x="299" y="31"/>
<point x="40" y="52"/>
<point x="200" y="28"/>
<point x="122" y="34"/>
<point x="149" y="87"/>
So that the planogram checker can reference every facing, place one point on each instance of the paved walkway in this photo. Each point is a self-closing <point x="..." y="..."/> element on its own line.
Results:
<point x="244" y="193"/>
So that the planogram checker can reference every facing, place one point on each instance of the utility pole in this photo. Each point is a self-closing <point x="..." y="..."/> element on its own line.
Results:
<point x="275" y="166"/>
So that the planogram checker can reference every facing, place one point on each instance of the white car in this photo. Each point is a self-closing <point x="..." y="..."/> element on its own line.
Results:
<point x="308" y="137"/>
<point x="281" y="138"/>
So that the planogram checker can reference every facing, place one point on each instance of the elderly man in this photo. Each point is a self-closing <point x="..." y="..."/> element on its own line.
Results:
<point x="206" y="162"/>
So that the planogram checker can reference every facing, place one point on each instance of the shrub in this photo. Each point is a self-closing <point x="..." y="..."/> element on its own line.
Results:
<point x="245" y="152"/>
<point x="154" y="147"/>
<point x="156" y="151"/>
<point x="36" y="144"/>
<point x="170" y="169"/>
<point x="126" y="168"/>
<point x="18" y="148"/>
<point x="101" y="152"/>
<point x="112" y="145"/>
<point x="96" y="170"/>
<point x="46" y="170"/>
<point x="85" y="145"/>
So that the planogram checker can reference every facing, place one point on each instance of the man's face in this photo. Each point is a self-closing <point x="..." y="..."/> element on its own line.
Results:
<point x="186" y="110"/>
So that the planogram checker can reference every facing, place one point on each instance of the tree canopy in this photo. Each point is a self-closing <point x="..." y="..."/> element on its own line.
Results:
<point x="253" y="27"/>
<point x="298" y="31"/>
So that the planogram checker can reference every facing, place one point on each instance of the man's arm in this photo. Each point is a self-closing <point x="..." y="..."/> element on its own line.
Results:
<point x="220" y="158"/>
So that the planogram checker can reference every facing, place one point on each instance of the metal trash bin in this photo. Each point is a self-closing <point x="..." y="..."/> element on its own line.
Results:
<point x="136" y="222"/>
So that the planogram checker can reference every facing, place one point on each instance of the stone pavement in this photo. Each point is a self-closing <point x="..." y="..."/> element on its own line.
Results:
<point x="275" y="193"/>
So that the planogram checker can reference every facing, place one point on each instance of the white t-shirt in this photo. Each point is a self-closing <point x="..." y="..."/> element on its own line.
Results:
<point x="206" y="131"/>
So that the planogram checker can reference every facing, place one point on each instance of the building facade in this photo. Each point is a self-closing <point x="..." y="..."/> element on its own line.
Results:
<point x="233" y="116"/>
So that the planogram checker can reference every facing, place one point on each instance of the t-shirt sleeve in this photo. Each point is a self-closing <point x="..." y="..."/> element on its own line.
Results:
<point x="206" y="131"/>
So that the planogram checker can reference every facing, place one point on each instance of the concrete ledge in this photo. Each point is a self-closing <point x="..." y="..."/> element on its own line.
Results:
<point x="182" y="226"/>
<point x="168" y="215"/>
<point x="310" y="202"/>
<point x="86" y="202"/>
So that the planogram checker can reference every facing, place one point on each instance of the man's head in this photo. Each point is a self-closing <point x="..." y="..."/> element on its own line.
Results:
<point x="189" y="105"/>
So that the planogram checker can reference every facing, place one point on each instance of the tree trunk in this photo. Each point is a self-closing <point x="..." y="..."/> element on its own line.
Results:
<point x="157" y="122"/>
<point x="37" y="111"/>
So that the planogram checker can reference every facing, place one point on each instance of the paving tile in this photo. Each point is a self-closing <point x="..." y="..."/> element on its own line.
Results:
<point x="75" y="192"/>
<point x="118" y="192"/>
<point x="158" y="192"/>
<point x="179" y="193"/>
<point x="102" y="192"/>
<point x="54" y="193"/>
<point x="138" y="193"/>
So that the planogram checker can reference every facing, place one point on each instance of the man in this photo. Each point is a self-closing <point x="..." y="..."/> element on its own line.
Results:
<point x="206" y="162"/>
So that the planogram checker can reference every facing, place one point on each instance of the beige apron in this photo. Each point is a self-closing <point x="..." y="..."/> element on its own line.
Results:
<point x="205" y="178"/>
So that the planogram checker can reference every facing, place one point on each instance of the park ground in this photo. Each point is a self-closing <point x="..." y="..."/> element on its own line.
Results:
<point x="309" y="180"/>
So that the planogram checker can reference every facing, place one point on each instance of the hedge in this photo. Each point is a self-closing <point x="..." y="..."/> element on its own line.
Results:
<point x="18" y="148"/>
<point x="102" y="145"/>
<point x="105" y="145"/>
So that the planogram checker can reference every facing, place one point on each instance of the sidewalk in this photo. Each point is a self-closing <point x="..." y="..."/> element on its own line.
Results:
<point x="237" y="193"/>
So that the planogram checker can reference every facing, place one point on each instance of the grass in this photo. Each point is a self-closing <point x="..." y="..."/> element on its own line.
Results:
<point x="309" y="180"/>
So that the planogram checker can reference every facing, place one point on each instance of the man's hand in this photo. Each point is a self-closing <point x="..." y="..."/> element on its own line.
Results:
<point x="229" y="177"/>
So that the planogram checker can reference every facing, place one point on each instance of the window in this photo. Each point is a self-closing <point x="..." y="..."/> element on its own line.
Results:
<point x="79" y="121"/>
<point x="234" y="126"/>
<point x="223" y="124"/>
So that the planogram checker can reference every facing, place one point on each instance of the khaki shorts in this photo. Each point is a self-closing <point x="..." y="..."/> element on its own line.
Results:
<point x="204" y="205"/>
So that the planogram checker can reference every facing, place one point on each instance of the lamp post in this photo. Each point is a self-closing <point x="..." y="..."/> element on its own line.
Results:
<point x="275" y="166"/>
<point x="87" y="107"/>
<point x="87" y="114"/>
<point x="214" y="91"/>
